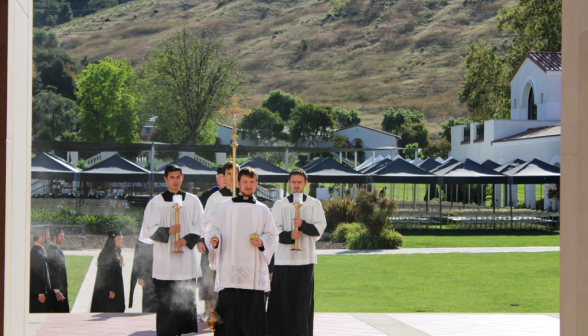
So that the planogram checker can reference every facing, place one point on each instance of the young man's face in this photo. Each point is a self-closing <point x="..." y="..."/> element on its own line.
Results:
<point x="229" y="178"/>
<point x="60" y="239"/>
<point x="220" y="180"/>
<point x="297" y="183"/>
<point x="247" y="185"/>
<point x="174" y="181"/>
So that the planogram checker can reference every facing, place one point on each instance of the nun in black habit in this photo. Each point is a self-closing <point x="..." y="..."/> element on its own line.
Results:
<point x="41" y="297"/>
<point x="143" y="275"/>
<point x="109" y="296"/>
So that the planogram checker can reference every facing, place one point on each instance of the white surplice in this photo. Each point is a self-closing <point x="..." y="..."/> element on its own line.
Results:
<point x="283" y="213"/>
<point x="239" y="264"/>
<point x="160" y="214"/>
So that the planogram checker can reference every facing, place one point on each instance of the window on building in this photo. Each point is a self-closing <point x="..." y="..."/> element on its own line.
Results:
<point x="218" y="141"/>
<point x="532" y="107"/>
<point x="357" y="143"/>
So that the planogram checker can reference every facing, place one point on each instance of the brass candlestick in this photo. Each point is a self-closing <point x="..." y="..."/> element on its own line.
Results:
<point x="297" y="206"/>
<point x="177" y="208"/>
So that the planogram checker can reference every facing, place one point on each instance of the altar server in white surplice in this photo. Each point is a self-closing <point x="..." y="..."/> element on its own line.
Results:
<point x="174" y="274"/>
<point x="291" y="303"/>
<point x="242" y="260"/>
<point x="212" y="204"/>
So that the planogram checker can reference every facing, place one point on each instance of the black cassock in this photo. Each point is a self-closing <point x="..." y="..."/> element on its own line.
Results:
<point x="143" y="269"/>
<point x="40" y="283"/>
<point x="108" y="278"/>
<point x="290" y="308"/>
<point x="58" y="277"/>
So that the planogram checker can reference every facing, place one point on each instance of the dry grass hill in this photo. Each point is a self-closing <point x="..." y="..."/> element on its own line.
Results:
<point x="365" y="54"/>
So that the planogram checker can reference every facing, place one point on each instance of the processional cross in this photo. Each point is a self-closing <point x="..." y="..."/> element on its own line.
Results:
<point x="234" y="111"/>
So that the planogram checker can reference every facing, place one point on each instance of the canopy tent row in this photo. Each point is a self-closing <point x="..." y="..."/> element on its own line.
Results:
<point x="326" y="170"/>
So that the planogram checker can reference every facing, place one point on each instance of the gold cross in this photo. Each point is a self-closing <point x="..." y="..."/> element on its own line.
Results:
<point x="234" y="111"/>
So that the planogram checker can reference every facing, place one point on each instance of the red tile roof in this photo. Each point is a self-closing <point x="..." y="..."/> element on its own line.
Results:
<point x="369" y="128"/>
<point x="547" y="61"/>
<point x="534" y="133"/>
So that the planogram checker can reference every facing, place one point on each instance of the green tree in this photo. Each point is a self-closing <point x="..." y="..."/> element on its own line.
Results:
<point x="412" y="132"/>
<point x="64" y="14"/>
<point x="340" y="141"/>
<point x="485" y="89"/>
<point x="311" y="121"/>
<point x="346" y="118"/>
<point x="45" y="39"/>
<point x="58" y="76"/>
<point x="437" y="149"/>
<point x="53" y="115"/>
<point x="262" y="124"/>
<point x="281" y="102"/>
<point x="409" y="153"/>
<point x="108" y="100"/>
<point x="187" y="79"/>
<point x="536" y="25"/>
<point x="445" y="132"/>
<point x="394" y="119"/>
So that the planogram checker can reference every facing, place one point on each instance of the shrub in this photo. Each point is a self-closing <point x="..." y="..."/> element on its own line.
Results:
<point x="362" y="240"/>
<point x="127" y="224"/>
<point x="303" y="45"/>
<point x="344" y="229"/>
<point x="340" y="209"/>
<point x="373" y="212"/>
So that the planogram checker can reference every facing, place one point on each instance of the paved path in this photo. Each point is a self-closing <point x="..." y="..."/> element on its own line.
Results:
<point x="326" y="324"/>
<point x="444" y="250"/>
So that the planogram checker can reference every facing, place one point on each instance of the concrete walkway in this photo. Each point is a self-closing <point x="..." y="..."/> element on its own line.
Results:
<point x="326" y="324"/>
<point x="444" y="250"/>
<point x="81" y="322"/>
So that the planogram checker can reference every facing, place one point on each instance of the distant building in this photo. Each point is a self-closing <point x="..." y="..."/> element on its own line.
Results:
<point x="148" y="129"/>
<point x="534" y="127"/>
<point x="361" y="136"/>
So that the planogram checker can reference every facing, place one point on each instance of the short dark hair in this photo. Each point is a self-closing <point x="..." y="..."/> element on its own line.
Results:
<point x="247" y="171"/>
<point x="55" y="232"/>
<point x="298" y="171"/>
<point x="219" y="171"/>
<point x="172" y="168"/>
<point x="229" y="165"/>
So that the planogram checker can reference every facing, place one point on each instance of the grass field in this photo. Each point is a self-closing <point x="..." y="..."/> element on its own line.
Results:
<point x="77" y="267"/>
<point x="461" y="238"/>
<point x="473" y="283"/>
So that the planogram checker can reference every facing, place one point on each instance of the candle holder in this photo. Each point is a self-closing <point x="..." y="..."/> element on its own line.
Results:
<point x="297" y="206"/>
<point x="177" y="200"/>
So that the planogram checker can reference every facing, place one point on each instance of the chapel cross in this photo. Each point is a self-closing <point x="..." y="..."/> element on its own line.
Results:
<point x="234" y="111"/>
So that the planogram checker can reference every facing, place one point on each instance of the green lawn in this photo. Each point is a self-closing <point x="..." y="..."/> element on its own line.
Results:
<point x="462" y="238"/>
<point x="77" y="267"/>
<point x="473" y="283"/>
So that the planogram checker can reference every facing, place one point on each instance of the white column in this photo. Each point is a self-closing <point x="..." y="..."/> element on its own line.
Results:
<point x="530" y="196"/>
<point x="17" y="56"/>
<point x="355" y="159"/>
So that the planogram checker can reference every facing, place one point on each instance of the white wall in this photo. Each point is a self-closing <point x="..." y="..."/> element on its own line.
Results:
<point x="544" y="148"/>
<point x="370" y="139"/>
<point x="549" y="84"/>
<point x="224" y="133"/>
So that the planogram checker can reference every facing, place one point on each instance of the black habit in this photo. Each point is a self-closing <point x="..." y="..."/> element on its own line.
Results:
<point x="40" y="283"/>
<point x="58" y="277"/>
<point x="143" y="269"/>
<point x="108" y="279"/>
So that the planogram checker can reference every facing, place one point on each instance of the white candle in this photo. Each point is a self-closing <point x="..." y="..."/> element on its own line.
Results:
<point x="298" y="198"/>
<point x="177" y="200"/>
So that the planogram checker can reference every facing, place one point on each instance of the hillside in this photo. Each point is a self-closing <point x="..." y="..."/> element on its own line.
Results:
<point x="368" y="54"/>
